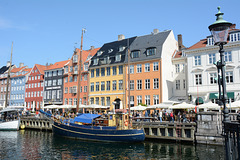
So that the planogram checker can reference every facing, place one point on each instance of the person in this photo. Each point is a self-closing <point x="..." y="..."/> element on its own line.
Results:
<point x="160" y="116"/>
<point x="184" y="117"/>
<point x="172" y="117"/>
<point x="179" y="116"/>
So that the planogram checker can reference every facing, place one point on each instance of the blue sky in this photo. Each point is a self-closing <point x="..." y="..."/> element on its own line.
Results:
<point x="46" y="31"/>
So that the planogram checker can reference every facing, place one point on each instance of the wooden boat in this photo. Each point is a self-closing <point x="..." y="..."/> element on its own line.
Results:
<point x="97" y="128"/>
<point x="9" y="120"/>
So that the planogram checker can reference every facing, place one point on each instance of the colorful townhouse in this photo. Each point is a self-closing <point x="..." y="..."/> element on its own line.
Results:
<point x="18" y="80"/>
<point x="3" y="84"/>
<point x="107" y="82"/>
<point x="72" y="86"/>
<point x="53" y="83"/>
<point x="34" y="88"/>
<point x="150" y="68"/>
<point x="202" y="72"/>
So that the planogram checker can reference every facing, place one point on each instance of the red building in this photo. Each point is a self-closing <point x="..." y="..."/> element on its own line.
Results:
<point x="71" y="77"/>
<point x="34" y="88"/>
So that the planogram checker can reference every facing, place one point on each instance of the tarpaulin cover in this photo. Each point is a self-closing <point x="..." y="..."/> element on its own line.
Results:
<point x="86" y="118"/>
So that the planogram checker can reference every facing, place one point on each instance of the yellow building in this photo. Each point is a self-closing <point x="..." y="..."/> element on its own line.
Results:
<point x="107" y="72"/>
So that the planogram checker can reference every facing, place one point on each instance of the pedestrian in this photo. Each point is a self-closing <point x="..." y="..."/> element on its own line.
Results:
<point x="172" y="117"/>
<point x="160" y="115"/>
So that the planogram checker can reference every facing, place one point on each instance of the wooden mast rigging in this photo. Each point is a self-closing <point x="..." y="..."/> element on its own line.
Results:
<point x="8" y="78"/>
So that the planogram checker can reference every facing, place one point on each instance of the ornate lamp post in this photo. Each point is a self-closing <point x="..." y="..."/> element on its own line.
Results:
<point x="219" y="30"/>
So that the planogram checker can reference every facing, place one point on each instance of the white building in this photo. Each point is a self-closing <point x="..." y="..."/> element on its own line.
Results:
<point x="202" y="72"/>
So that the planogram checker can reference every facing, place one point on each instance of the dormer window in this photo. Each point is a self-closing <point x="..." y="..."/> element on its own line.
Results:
<point x="183" y="54"/>
<point x="95" y="61"/>
<point x="121" y="48"/>
<point x="118" y="57"/>
<point x="110" y="50"/>
<point x="210" y="41"/>
<point x="99" y="53"/>
<point x="234" y="37"/>
<point x="151" y="51"/>
<point x="135" y="54"/>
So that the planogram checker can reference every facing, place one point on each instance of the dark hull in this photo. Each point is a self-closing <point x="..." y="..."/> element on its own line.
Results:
<point x="97" y="134"/>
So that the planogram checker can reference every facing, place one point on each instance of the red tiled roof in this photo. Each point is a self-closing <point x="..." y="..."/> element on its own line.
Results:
<point x="177" y="55"/>
<point x="57" y="65"/>
<point x="27" y="70"/>
<point x="41" y="68"/>
<point x="86" y="53"/>
<point x="15" y="70"/>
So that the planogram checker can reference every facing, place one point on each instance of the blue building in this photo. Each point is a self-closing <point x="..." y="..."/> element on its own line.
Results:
<point x="18" y="80"/>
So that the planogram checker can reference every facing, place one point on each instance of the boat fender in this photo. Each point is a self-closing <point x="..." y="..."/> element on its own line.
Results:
<point x="126" y="123"/>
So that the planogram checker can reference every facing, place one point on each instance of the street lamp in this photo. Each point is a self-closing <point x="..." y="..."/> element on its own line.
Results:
<point x="219" y="30"/>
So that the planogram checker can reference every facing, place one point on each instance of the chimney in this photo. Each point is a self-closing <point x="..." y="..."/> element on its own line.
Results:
<point x="155" y="31"/>
<point x="121" y="37"/>
<point x="8" y="63"/>
<point x="21" y="65"/>
<point x="92" y="48"/>
<point x="233" y="26"/>
<point x="180" y="45"/>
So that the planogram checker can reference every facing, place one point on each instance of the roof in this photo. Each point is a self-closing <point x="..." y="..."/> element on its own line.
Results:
<point x="141" y="43"/>
<point x="41" y="68"/>
<point x="86" y="118"/>
<point x="111" y="50"/>
<point x="25" y="71"/>
<point x="87" y="54"/>
<point x="57" y="65"/>
<point x="15" y="70"/>
<point x="4" y="69"/>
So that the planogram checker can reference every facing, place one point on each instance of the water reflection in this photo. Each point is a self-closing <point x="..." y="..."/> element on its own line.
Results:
<point x="43" y="145"/>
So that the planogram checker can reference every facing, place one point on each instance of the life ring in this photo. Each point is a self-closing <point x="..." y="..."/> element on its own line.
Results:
<point x="126" y="123"/>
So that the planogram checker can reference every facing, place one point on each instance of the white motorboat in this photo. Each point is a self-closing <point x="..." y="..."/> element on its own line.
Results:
<point x="9" y="119"/>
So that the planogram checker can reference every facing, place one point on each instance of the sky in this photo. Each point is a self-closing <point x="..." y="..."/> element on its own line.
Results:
<point x="47" y="31"/>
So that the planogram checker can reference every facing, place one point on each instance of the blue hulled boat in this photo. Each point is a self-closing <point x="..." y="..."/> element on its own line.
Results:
<point x="95" y="127"/>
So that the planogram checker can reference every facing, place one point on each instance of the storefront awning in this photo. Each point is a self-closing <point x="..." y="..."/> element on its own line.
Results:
<point x="215" y="95"/>
<point x="199" y="100"/>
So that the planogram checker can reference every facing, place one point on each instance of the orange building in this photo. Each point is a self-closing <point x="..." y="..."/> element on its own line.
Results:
<point x="71" y="77"/>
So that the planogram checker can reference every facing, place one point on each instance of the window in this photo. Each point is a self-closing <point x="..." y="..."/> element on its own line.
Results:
<point x="85" y="88"/>
<point x="70" y="79"/>
<point x="139" y="99"/>
<point x="155" y="66"/>
<point x="114" y="68"/>
<point x="177" y="84"/>
<point x="210" y="41"/>
<point x="66" y="79"/>
<point x="85" y="77"/>
<point x="95" y="62"/>
<point x="75" y="101"/>
<point x="235" y="37"/>
<point x="197" y="60"/>
<point x="147" y="83"/>
<point x="92" y="86"/>
<point x="66" y="101"/>
<point x="118" y="57"/>
<point x="135" y="54"/>
<point x="75" y="78"/>
<point x="66" y="69"/>
<point x="229" y="77"/>
<point x="108" y="86"/>
<point x="108" y="71"/>
<point x="147" y="99"/>
<point x="139" y="84"/>
<point x="103" y="86"/>
<point x="114" y="85"/>
<point x="102" y="72"/>
<point x="151" y="51"/>
<point x="66" y="90"/>
<point x="212" y="58"/>
<point x="85" y="66"/>
<point x="97" y="100"/>
<point x="213" y="77"/>
<point x="92" y="73"/>
<point x="177" y="68"/>
<point x="99" y="53"/>
<point x="97" y="72"/>
<point x="49" y="83"/>
<point x="70" y="101"/>
<point x="198" y="79"/>
<point x="120" y="69"/>
<point x="155" y="83"/>
<point x="120" y="85"/>
<point x="97" y="86"/>
<point x="54" y="73"/>
<point x="54" y="82"/>
<point x="91" y="100"/>
<point x="131" y="84"/>
<point x="121" y="48"/>
<point x="131" y="69"/>
<point x="108" y="101"/>
<point x="139" y="68"/>
<point x="184" y="84"/>
<point x="102" y="101"/>
<point x="50" y="74"/>
<point x="228" y="56"/>
<point x="155" y="99"/>
<point x="59" y="72"/>
<point x="147" y="67"/>
<point x="131" y="101"/>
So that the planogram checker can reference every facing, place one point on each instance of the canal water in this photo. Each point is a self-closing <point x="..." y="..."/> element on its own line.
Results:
<point x="29" y="144"/>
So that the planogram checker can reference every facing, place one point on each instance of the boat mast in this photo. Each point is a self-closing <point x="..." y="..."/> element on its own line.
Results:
<point x="80" y="71"/>
<point x="128" y="83"/>
<point x="8" y="78"/>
